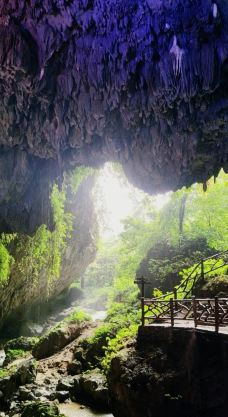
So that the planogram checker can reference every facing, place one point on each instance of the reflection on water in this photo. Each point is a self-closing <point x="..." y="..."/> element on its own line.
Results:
<point x="74" y="410"/>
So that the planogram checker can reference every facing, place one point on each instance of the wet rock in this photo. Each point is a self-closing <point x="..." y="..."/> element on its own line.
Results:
<point x="74" y="368"/>
<point x="65" y="384"/>
<point x="26" y="373"/>
<point x="62" y="396"/>
<point x="43" y="392"/>
<point x="91" y="387"/>
<point x="79" y="354"/>
<point x="26" y="394"/>
<point x="8" y="387"/>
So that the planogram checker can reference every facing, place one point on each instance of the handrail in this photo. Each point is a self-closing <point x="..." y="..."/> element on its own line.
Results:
<point x="187" y="279"/>
<point x="203" y="311"/>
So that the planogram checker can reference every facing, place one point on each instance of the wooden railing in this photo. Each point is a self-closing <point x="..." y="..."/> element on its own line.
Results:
<point x="201" y="311"/>
<point x="171" y="306"/>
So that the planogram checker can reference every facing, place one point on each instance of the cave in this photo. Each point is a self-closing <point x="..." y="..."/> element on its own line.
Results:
<point x="113" y="208"/>
<point x="142" y="83"/>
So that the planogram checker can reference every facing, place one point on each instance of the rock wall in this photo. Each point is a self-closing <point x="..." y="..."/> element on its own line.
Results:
<point x="179" y="372"/>
<point x="24" y="296"/>
<point x="141" y="82"/>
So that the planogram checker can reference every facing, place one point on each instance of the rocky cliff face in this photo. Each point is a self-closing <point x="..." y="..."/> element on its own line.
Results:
<point x="25" y="293"/>
<point x="142" y="82"/>
<point x="171" y="373"/>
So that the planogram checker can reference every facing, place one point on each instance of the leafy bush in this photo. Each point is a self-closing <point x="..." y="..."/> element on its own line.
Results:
<point x="123" y="336"/>
<point x="5" y="263"/>
<point x="77" y="317"/>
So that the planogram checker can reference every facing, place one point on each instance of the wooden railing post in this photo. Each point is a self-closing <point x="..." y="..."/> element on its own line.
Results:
<point x="194" y="310"/>
<point x="143" y="313"/>
<point x="171" y="312"/>
<point x="216" y="315"/>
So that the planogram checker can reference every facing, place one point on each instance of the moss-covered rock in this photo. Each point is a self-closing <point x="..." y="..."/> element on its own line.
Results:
<point x="40" y="409"/>
<point x="56" y="339"/>
<point x="23" y="343"/>
<point x="14" y="354"/>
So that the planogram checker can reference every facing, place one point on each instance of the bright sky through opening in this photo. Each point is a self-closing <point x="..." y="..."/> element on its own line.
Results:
<point x="117" y="199"/>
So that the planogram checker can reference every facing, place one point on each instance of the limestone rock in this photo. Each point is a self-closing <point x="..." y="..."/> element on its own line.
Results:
<point x="91" y="387"/>
<point x="25" y="299"/>
<point x="179" y="372"/>
<point x="56" y="339"/>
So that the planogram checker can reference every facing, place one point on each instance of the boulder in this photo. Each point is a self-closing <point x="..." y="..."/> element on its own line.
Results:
<point x="24" y="343"/>
<point x="65" y="384"/>
<point x="8" y="387"/>
<point x="40" y="409"/>
<point x="25" y="374"/>
<point x="74" y="368"/>
<point x="91" y="388"/>
<point x="56" y="339"/>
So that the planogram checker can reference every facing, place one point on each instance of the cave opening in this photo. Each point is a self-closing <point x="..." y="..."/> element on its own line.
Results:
<point x="113" y="275"/>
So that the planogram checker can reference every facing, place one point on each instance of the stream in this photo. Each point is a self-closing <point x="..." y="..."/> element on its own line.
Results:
<point x="72" y="409"/>
<point x="76" y="410"/>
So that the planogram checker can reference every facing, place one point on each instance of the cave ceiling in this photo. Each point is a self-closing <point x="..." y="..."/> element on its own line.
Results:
<point x="140" y="82"/>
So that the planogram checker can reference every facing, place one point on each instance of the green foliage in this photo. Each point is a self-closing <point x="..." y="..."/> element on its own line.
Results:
<point x="4" y="373"/>
<point x="22" y="342"/>
<point x="78" y="317"/>
<point x="217" y="285"/>
<point x="195" y="272"/>
<point x="164" y="261"/>
<point x="205" y="214"/>
<point x="122" y="337"/>
<point x="63" y="227"/>
<point x="44" y="250"/>
<point x="78" y="175"/>
<point x="102" y="271"/>
<point x="5" y="264"/>
<point x="13" y="354"/>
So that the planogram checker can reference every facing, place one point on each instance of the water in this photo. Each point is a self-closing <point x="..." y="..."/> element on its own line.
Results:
<point x="2" y="357"/>
<point x="75" y="410"/>
<point x="97" y="314"/>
